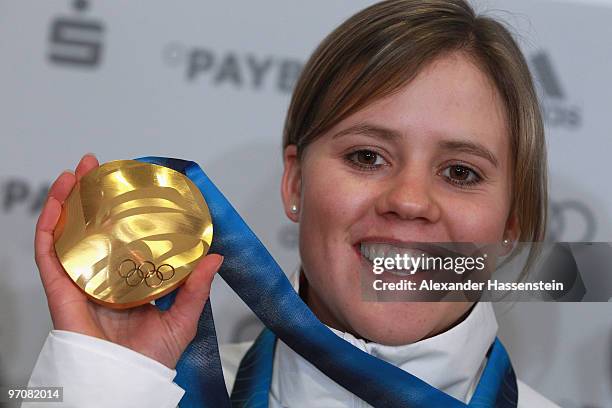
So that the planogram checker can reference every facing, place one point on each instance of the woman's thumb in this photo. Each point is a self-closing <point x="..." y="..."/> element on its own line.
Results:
<point x="193" y="294"/>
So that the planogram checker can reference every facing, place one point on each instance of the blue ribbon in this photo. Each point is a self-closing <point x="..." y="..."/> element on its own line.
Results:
<point x="258" y="280"/>
<point x="496" y="388"/>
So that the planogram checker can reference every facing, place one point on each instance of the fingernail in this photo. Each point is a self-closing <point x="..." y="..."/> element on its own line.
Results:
<point x="67" y="171"/>
<point x="90" y="154"/>
<point x="220" y="261"/>
<point x="54" y="199"/>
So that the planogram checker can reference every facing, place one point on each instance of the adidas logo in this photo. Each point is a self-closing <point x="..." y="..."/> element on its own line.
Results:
<point x="558" y="112"/>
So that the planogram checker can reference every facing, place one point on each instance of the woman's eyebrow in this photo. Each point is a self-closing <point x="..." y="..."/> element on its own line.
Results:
<point x="470" y="148"/>
<point x="464" y="146"/>
<point x="367" y="129"/>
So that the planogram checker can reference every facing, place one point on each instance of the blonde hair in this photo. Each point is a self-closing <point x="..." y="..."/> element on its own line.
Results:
<point x="381" y="48"/>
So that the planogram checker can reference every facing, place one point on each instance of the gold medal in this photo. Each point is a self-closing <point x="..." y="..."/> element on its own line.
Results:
<point x="130" y="232"/>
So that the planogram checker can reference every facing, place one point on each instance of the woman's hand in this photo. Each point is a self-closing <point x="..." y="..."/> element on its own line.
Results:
<point x="162" y="336"/>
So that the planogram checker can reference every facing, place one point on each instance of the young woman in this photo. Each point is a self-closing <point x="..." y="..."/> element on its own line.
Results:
<point x="414" y="121"/>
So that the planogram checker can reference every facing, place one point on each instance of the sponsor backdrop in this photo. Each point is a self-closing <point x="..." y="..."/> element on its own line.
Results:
<point x="211" y="82"/>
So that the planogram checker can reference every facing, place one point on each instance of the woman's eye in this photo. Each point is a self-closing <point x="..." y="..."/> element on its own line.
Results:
<point x="461" y="175"/>
<point x="366" y="159"/>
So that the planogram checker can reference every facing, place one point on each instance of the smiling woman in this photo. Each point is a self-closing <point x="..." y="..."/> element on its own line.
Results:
<point x="425" y="180"/>
<point x="409" y="129"/>
<point x="415" y="121"/>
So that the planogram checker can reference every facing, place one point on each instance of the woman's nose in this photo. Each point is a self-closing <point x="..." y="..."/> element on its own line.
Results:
<point x="409" y="197"/>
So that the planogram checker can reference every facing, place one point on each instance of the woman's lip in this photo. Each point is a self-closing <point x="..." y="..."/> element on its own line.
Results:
<point x="442" y="248"/>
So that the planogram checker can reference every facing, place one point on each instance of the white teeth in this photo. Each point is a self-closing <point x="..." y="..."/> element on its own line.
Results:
<point x="372" y="251"/>
<point x="364" y="250"/>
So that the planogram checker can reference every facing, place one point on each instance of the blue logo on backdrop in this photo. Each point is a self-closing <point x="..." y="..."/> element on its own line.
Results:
<point x="76" y="41"/>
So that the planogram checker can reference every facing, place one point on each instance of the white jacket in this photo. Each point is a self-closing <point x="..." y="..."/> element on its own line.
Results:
<point x="97" y="373"/>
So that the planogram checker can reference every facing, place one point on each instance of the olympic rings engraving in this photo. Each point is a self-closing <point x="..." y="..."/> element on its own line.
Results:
<point x="146" y="272"/>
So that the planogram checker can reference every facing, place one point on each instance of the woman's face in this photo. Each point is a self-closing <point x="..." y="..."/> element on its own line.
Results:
<point x="429" y="163"/>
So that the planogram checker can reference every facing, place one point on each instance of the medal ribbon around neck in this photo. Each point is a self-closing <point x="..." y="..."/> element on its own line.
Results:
<point x="249" y="269"/>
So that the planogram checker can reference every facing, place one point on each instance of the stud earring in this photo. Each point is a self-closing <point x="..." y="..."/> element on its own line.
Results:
<point x="293" y="209"/>
<point x="506" y="242"/>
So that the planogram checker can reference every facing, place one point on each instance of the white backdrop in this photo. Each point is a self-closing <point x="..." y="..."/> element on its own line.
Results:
<point x="211" y="82"/>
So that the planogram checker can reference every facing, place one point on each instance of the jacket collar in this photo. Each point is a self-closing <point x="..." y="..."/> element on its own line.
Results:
<point x="451" y="361"/>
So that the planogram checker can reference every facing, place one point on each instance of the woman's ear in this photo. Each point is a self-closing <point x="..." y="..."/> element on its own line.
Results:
<point x="291" y="183"/>
<point x="511" y="233"/>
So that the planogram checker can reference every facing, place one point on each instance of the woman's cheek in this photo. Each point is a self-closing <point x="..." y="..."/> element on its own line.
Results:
<point x="471" y="218"/>
<point x="334" y="202"/>
<point x="335" y="194"/>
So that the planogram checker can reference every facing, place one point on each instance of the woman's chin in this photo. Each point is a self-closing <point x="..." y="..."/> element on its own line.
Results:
<point x="398" y="323"/>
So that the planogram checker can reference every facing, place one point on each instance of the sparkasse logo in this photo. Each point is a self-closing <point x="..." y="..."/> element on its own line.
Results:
<point x="76" y="41"/>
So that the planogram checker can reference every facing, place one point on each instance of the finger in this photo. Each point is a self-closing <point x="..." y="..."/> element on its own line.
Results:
<point x="58" y="192"/>
<point x="46" y="259"/>
<point x="62" y="186"/>
<point x="193" y="295"/>
<point x="48" y="265"/>
<point x="88" y="162"/>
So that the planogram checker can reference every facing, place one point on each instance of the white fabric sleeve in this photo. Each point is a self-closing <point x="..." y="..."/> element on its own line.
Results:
<point x="98" y="373"/>
<point x="529" y="398"/>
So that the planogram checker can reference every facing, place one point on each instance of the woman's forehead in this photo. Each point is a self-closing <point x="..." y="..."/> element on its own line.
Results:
<point x="450" y="99"/>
